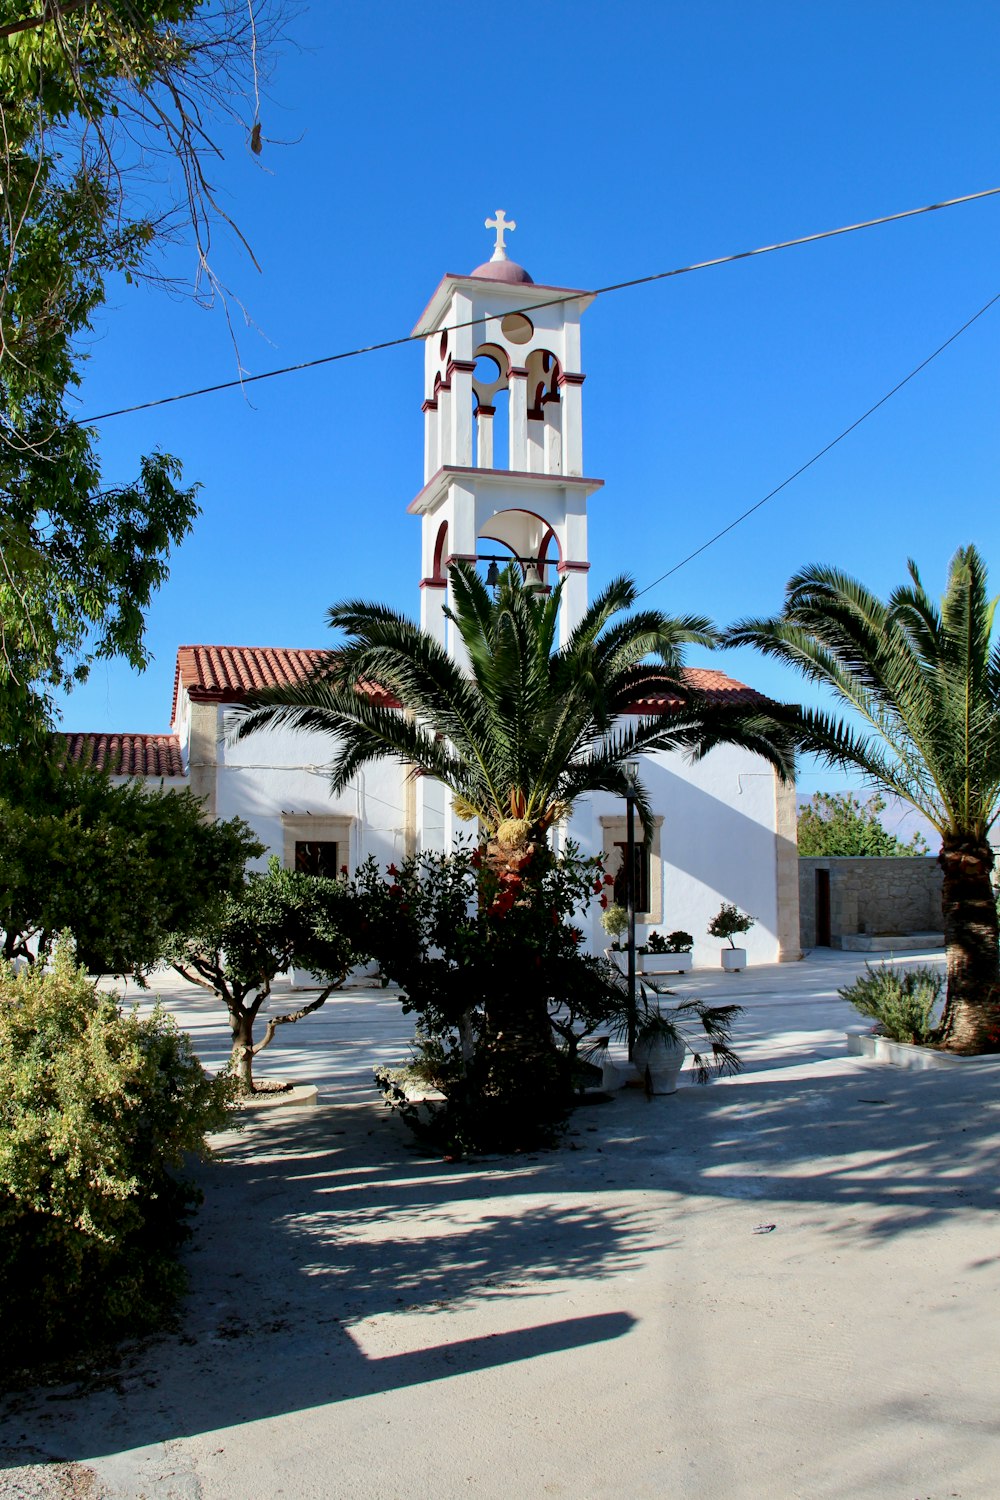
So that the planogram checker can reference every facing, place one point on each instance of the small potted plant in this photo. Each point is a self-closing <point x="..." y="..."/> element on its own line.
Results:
<point x="728" y="923"/>
<point x="614" y="920"/>
<point x="664" y="1034"/>
<point x="615" y="923"/>
<point x="669" y="953"/>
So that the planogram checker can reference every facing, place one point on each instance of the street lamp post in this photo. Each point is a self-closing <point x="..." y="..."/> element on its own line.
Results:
<point x="631" y="774"/>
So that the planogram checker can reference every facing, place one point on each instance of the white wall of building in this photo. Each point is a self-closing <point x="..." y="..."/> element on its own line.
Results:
<point x="717" y="843"/>
<point x="716" y="839"/>
<point x="278" y="774"/>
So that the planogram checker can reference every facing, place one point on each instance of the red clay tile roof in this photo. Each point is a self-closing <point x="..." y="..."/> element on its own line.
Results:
<point x="127" y="754"/>
<point x="658" y="697"/>
<point x="230" y="674"/>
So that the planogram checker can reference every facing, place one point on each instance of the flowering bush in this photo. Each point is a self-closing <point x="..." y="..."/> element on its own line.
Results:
<point x="487" y="955"/>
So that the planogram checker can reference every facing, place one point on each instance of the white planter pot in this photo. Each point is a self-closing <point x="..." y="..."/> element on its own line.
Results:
<point x="862" y="1042"/>
<point x="662" y="1060"/>
<point x="302" y="979"/>
<point x="666" y="963"/>
<point x="734" y="959"/>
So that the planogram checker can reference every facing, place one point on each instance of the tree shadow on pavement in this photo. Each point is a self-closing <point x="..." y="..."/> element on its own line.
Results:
<point x="315" y="1225"/>
<point x="904" y="1149"/>
<point x="332" y="1260"/>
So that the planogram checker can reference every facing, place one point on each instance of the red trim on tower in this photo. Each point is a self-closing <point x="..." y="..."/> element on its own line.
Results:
<point x="433" y="583"/>
<point x="463" y="366"/>
<point x="543" y="550"/>
<point x="565" y="379"/>
<point x="440" y="542"/>
<point x="429" y="406"/>
<point x="573" y="567"/>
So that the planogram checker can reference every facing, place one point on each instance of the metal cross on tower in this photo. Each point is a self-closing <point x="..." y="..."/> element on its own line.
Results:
<point x="501" y="224"/>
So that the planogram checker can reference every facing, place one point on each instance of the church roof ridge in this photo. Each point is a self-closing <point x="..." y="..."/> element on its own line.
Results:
<point x="229" y="674"/>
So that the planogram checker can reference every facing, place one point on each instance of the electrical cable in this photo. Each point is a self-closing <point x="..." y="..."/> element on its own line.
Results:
<point x="616" y="286"/>
<point x="817" y="456"/>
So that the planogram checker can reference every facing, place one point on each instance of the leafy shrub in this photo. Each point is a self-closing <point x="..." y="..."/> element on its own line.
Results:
<point x="614" y="920"/>
<point x="98" y="1108"/>
<point x="489" y="963"/>
<point x="838" y="823"/>
<point x="278" y="918"/>
<point x="120" y="866"/>
<point x="902" y="1002"/>
<point x="672" y="942"/>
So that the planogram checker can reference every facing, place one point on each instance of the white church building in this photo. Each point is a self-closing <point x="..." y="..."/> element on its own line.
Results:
<point x="503" y="479"/>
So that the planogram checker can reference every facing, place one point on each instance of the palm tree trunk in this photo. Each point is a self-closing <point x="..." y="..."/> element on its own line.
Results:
<point x="971" y="1019"/>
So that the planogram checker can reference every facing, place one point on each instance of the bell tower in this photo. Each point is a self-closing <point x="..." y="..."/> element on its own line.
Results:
<point x="503" y="432"/>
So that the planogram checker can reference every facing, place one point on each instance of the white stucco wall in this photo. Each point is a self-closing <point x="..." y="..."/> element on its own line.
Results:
<point x="717" y="836"/>
<point x="717" y="843"/>
<point x="285" y="772"/>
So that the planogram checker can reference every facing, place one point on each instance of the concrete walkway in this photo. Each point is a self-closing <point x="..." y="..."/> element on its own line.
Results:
<point x="782" y="1285"/>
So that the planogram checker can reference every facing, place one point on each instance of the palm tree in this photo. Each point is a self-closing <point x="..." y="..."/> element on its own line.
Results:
<point x="925" y="683"/>
<point x="527" y="727"/>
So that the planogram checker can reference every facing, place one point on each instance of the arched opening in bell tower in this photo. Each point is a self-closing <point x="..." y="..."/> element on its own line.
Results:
<point x="527" y="539"/>
<point x="491" y="407"/>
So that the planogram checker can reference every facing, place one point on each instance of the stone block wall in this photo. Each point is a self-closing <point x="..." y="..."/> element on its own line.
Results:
<point x="872" y="895"/>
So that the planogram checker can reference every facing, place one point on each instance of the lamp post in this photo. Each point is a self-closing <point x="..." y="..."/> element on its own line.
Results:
<point x="631" y="777"/>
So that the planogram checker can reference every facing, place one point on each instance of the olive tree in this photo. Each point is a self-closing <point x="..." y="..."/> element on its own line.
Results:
<point x="279" y="918"/>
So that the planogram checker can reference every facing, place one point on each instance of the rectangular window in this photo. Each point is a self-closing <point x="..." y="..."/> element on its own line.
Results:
<point x="316" y="857"/>
<point x="640" y="876"/>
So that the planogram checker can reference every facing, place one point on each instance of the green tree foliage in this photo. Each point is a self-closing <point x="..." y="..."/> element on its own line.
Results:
<point x="491" y="965"/>
<point x="730" y="922"/>
<point x="121" y="867"/>
<point x="838" y="823"/>
<point x="277" y="919"/>
<point x="922" y="684"/>
<point x="517" y="736"/>
<point x="531" y="726"/>
<point x="98" y="1109"/>
<point x="91" y="94"/>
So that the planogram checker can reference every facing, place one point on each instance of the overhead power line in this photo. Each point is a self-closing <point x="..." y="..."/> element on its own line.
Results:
<point x="615" y="286"/>
<point x="817" y="456"/>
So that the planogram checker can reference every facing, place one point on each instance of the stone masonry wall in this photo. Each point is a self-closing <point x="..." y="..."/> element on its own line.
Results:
<point x="872" y="895"/>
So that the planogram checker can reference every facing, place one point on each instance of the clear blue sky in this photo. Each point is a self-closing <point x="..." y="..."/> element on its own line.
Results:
<point x="623" y="140"/>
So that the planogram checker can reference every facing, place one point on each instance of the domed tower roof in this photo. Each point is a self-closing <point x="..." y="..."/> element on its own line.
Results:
<point x="498" y="267"/>
<point x="503" y="270"/>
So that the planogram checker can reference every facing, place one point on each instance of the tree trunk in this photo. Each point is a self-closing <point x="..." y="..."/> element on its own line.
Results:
<point x="241" y="1056"/>
<point x="971" y="1019"/>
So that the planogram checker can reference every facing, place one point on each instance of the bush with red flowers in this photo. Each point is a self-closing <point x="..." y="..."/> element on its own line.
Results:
<point x="489" y="961"/>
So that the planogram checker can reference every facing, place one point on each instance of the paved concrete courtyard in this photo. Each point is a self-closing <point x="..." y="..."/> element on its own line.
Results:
<point x="782" y="1285"/>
